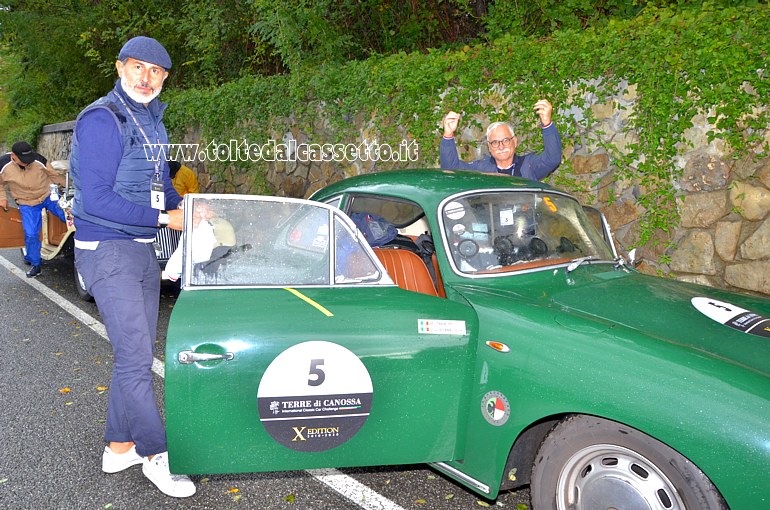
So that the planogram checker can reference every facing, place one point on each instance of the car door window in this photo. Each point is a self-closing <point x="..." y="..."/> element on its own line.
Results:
<point x="233" y="240"/>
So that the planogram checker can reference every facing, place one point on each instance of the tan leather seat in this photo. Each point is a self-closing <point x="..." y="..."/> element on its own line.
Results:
<point x="407" y="270"/>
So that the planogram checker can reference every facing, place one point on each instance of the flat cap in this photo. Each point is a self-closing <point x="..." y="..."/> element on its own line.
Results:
<point x="24" y="152"/>
<point x="146" y="49"/>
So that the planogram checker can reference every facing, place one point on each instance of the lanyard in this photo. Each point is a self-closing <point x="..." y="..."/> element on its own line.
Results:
<point x="146" y="138"/>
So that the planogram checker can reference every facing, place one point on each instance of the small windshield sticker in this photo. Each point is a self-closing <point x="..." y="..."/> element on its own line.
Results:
<point x="733" y="316"/>
<point x="495" y="408"/>
<point x="440" y="327"/>
<point x="314" y="396"/>
<point x="506" y="217"/>
<point x="454" y="210"/>
<point x="550" y="204"/>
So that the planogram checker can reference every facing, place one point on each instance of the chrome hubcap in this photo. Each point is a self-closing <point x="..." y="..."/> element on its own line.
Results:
<point x="611" y="477"/>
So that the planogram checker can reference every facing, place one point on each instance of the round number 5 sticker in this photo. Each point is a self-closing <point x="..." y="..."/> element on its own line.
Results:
<point x="314" y="396"/>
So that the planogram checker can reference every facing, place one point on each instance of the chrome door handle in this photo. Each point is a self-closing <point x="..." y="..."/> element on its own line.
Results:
<point x="187" y="357"/>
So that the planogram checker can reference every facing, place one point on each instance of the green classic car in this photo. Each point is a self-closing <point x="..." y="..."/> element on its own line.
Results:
<point x="487" y="328"/>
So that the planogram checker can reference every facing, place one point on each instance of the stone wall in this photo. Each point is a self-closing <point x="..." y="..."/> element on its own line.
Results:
<point x="724" y="236"/>
<point x="55" y="140"/>
<point x="723" y="239"/>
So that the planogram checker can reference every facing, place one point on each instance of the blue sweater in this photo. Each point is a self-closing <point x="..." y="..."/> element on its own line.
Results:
<point x="532" y="166"/>
<point x="100" y="153"/>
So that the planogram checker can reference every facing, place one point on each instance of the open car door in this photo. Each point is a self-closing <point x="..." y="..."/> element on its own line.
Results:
<point x="290" y="347"/>
<point x="11" y="231"/>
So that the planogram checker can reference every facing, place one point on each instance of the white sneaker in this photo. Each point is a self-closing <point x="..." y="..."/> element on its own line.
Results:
<point x="114" y="462"/>
<point x="156" y="469"/>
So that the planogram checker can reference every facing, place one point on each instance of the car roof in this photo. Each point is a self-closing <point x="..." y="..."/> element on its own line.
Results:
<point x="426" y="183"/>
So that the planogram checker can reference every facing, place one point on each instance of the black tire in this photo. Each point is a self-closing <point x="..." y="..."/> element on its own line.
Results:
<point x="80" y="286"/>
<point x="589" y="463"/>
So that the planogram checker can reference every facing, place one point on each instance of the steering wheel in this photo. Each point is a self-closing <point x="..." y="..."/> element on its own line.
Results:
<point x="537" y="247"/>
<point x="468" y="248"/>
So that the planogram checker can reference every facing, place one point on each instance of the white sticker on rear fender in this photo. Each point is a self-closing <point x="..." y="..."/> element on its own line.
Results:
<point x="733" y="316"/>
<point x="440" y="327"/>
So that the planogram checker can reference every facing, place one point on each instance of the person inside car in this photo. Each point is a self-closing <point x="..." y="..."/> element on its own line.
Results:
<point x="502" y="142"/>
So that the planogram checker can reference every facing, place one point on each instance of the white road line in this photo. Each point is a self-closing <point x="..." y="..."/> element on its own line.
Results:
<point x="354" y="490"/>
<point x="348" y="487"/>
<point x="83" y="317"/>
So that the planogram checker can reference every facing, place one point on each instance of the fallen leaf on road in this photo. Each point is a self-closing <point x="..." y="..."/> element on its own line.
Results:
<point x="64" y="391"/>
<point x="290" y="498"/>
<point x="420" y="501"/>
<point x="449" y="496"/>
<point x="234" y="490"/>
<point x="102" y="388"/>
<point x="482" y="503"/>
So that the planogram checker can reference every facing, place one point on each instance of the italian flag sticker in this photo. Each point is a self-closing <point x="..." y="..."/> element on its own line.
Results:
<point x="495" y="408"/>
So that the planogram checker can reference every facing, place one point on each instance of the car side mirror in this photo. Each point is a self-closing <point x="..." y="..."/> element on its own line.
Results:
<point x="632" y="260"/>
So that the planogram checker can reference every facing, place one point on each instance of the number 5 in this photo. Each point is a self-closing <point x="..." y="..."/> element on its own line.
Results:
<point x="317" y="372"/>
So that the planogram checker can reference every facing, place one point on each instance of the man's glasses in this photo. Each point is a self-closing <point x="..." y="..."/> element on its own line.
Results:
<point x="505" y="142"/>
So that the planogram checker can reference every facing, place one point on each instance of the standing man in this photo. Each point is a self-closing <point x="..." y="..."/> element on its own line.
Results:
<point x="28" y="176"/>
<point x="502" y="143"/>
<point x="121" y="200"/>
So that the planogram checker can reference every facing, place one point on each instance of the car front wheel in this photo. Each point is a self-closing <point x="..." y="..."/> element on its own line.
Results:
<point x="589" y="463"/>
<point x="80" y="285"/>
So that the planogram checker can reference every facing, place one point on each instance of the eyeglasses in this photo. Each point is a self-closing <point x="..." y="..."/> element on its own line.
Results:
<point x="505" y="142"/>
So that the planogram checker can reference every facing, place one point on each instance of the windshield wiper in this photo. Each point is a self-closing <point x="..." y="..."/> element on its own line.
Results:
<point x="577" y="262"/>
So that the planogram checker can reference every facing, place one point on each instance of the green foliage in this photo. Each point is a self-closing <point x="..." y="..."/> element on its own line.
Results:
<point x="219" y="43"/>
<point x="546" y="16"/>
<point x="44" y="84"/>
<point x="704" y="61"/>
<point x="542" y="18"/>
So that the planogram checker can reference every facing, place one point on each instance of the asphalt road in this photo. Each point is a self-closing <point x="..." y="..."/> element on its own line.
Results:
<point x="54" y="383"/>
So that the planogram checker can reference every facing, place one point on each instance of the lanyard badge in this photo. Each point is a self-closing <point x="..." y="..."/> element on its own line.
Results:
<point x="157" y="197"/>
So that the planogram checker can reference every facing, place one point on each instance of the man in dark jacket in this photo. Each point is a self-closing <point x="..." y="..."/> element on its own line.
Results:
<point x="122" y="196"/>
<point x="502" y="143"/>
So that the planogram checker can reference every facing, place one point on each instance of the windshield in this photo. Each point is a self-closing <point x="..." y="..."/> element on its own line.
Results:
<point x="497" y="232"/>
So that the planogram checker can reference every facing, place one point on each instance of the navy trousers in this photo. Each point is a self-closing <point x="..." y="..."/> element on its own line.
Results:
<point x="124" y="279"/>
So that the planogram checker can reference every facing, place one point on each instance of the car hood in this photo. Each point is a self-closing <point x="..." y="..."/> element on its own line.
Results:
<point x="711" y="321"/>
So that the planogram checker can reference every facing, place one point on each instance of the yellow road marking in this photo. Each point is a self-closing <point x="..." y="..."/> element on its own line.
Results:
<point x="306" y="299"/>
